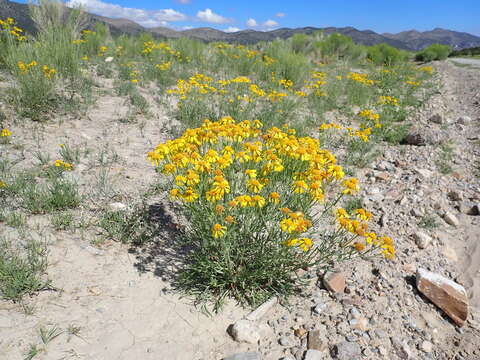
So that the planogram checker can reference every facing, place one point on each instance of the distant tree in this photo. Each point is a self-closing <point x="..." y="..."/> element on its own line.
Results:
<point x="433" y="52"/>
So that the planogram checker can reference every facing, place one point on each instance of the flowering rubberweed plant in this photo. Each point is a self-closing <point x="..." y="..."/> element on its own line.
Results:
<point x="261" y="205"/>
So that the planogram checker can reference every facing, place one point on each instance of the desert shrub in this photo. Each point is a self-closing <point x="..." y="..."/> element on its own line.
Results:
<point x="258" y="209"/>
<point x="384" y="54"/>
<point x="433" y="52"/>
<point x="285" y="63"/>
<point x="338" y="46"/>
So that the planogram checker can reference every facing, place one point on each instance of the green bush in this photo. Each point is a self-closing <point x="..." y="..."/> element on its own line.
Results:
<point x="433" y="52"/>
<point x="384" y="54"/>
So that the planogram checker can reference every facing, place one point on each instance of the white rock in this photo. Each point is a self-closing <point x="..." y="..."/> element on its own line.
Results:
<point x="260" y="312"/>
<point x="314" y="355"/>
<point x="422" y="239"/>
<point x="244" y="331"/>
<point x="117" y="206"/>
<point x="451" y="219"/>
<point x="426" y="346"/>
<point x="425" y="173"/>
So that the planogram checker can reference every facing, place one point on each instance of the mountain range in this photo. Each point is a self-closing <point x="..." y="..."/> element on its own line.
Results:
<point x="408" y="40"/>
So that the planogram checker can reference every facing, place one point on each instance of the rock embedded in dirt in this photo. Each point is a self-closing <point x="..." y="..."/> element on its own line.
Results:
<point x="314" y="355"/>
<point x="451" y="219"/>
<point x="422" y="239"/>
<point x="244" y="356"/>
<point x="473" y="210"/>
<point x="262" y="310"/>
<point x="426" y="346"/>
<point x="464" y="120"/>
<point x="117" y="206"/>
<point x="335" y="282"/>
<point x="448" y="295"/>
<point x="347" y="351"/>
<point x="402" y="349"/>
<point x="316" y="341"/>
<point x="244" y="331"/>
<point x="436" y="118"/>
<point x="319" y="308"/>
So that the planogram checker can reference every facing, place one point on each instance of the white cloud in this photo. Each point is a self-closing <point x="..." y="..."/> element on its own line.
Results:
<point x="270" y="23"/>
<point x="251" y="22"/>
<point x="280" y="14"/>
<point x="231" y="29"/>
<point x="147" y="18"/>
<point x="209" y="16"/>
<point x="187" y="27"/>
<point x="184" y="1"/>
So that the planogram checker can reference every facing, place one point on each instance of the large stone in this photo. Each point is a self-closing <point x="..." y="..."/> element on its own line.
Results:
<point x="244" y="356"/>
<point x="464" y="120"/>
<point x="335" y="282"/>
<point x="348" y="351"/>
<point x="244" y="331"/>
<point x="445" y="293"/>
<point x="316" y="341"/>
<point x="451" y="219"/>
<point x="262" y="310"/>
<point x="422" y="239"/>
<point x="437" y="119"/>
<point x="313" y="355"/>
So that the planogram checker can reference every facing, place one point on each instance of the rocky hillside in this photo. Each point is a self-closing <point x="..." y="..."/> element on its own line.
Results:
<point x="409" y="40"/>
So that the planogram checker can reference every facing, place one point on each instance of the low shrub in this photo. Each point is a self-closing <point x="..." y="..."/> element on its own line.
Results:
<point x="261" y="206"/>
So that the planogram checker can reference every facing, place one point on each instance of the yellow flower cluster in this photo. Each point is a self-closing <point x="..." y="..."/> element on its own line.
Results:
<point x="357" y="224"/>
<point x="2" y="184"/>
<point x="5" y="133"/>
<point x="303" y="243"/>
<point x="412" y="83"/>
<point x="236" y="166"/>
<point x="295" y="222"/>
<point x="150" y="46"/>
<point x="319" y="79"/>
<point x="64" y="165"/>
<point x="239" y="51"/>
<point x="427" y="69"/>
<point x="164" y="66"/>
<point x="362" y="134"/>
<point x="48" y="72"/>
<point x="388" y="100"/>
<point x="360" y="78"/>
<point x="9" y="27"/>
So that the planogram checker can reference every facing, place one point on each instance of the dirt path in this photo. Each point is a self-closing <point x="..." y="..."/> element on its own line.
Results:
<point x="467" y="61"/>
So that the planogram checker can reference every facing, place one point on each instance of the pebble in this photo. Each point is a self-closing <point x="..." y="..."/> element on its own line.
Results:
<point x="347" y="351"/>
<point x="244" y="331"/>
<point x="319" y="308"/>
<point x="335" y="282"/>
<point x="422" y="239"/>
<point x="451" y="219"/>
<point x="285" y="341"/>
<point x="426" y="346"/>
<point x="314" y="355"/>
<point x="244" y="356"/>
<point x="117" y="206"/>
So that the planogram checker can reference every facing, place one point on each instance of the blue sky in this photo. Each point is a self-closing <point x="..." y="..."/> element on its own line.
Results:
<point x="380" y="16"/>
